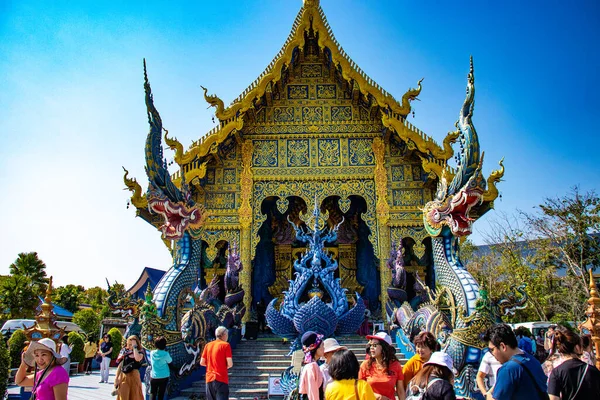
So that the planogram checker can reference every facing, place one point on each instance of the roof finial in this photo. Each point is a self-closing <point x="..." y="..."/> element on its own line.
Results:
<point x="311" y="3"/>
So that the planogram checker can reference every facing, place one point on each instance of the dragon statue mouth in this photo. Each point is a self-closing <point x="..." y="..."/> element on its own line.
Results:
<point x="454" y="212"/>
<point x="177" y="217"/>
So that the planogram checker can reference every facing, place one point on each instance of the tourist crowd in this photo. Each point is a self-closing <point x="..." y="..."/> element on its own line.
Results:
<point x="558" y="364"/>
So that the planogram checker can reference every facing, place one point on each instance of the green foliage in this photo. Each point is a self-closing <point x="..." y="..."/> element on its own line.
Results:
<point x="95" y="296"/>
<point x="4" y="367"/>
<point x="88" y="320"/>
<point x="68" y="296"/>
<point x="18" y="298"/>
<point x="76" y="343"/>
<point x="30" y="266"/>
<point x="117" y="339"/>
<point x="16" y="344"/>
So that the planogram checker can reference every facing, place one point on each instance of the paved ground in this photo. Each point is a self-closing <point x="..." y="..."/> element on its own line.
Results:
<point x="86" y="387"/>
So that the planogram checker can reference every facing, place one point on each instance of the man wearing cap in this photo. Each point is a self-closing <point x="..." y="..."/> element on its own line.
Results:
<point x="521" y="376"/>
<point x="50" y="381"/>
<point x="330" y="346"/>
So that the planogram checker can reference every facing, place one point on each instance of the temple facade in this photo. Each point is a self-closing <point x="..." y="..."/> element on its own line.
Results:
<point x="312" y="129"/>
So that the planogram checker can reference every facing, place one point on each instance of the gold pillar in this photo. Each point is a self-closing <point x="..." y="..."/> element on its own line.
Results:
<point x="592" y="313"/>
<point x="245" y="215"/>
<point x="348" y="270"/>
<point x="283" y="270"/>
<point x="382" y="210"/>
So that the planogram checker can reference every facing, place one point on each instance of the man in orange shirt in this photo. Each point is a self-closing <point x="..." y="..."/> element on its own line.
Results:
<point x="217" y="359"/>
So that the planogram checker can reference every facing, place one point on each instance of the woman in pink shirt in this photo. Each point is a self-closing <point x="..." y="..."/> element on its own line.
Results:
<point x="49" y="381"/>
<point x="311" y="378"/>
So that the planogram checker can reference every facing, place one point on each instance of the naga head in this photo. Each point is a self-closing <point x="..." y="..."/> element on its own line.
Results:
<point x="173" y="203"/>
<point x="454" y="201"/>
<point x="177" y="216"/>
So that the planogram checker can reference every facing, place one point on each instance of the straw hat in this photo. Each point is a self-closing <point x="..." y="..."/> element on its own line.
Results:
<point x="42" y="344"/>
<point x="330" y="345"/>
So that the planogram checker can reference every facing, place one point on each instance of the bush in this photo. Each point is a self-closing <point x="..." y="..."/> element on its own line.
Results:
<point x="16" y="344"/>
<point x="4" y="363"/>
<point x="117" y="339"/>
<point x="88" y="320"/>
<point x="76" y="343"/>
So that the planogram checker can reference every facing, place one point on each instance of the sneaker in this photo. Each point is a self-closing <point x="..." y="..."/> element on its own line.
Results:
<point x="101" y="382"/>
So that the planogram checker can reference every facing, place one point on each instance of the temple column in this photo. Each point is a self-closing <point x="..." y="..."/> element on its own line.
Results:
<point x="382" y="209"/>
<point x="245" y="215"/>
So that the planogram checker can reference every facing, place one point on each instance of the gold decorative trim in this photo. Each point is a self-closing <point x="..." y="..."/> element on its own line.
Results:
<point x="137" y="199"/>
<point x="492" y="191"/>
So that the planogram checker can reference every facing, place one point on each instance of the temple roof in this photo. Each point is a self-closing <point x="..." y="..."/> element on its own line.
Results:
<point x="394" y="112"/>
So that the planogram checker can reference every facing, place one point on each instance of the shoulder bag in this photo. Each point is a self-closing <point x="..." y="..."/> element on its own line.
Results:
<point x="543" y="395"/>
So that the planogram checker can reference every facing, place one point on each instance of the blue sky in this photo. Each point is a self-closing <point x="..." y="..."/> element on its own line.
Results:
<point x="72" y="102"/>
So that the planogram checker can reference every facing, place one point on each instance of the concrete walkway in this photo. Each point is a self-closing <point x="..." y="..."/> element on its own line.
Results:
<point x="86" y="387"/>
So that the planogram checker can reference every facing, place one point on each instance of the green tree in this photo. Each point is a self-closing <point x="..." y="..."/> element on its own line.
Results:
<point x="68" y="297"/>
<point x="571" y="226"/>
<point x="95" y="296"/>
<point x="116" y="338"/>
<point x="30" y="266"/>
<point x="18" y="298"/>
<point x="514" y="258"/>
<point x="4" y="367"/>
<point x="88" y="320"/>
<point x="76" y="343"/>
<point x="16" y="344"/>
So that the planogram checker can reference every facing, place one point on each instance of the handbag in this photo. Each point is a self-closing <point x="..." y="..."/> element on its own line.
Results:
<point x="98" y="358"/>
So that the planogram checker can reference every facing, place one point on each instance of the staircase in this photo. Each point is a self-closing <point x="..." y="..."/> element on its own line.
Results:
<point x="255" y="360"/>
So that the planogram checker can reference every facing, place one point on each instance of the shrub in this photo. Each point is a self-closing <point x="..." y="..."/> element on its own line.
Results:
<point x="117" y="339"/>
<point x="4" y="363"/>
<point x="88" y="320"/>
<point x="76" y="343"/>
<point x="16" y="344"/>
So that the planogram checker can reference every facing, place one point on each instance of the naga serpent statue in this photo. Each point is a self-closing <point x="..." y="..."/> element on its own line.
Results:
<point x="315" y="300"/>
<point x="174" y="310"/>
<point x="458" y="315"/>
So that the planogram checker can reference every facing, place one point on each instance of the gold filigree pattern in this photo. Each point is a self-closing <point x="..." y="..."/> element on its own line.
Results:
<point x="298" y="153"/>
<point x="297" y="92"/>
<point x="360" y="152"/>
<point x="312" y="114"/>
<point x="341" y="113"/>
<point x="265" y="153"/>
<point x="326" y="91"/>
<point x="329" y="152"/>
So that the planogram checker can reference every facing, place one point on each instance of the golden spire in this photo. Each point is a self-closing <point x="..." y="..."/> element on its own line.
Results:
<point x="311" y="3"/>
<point x="45" y="320"/>
<point x="592" y="313"/>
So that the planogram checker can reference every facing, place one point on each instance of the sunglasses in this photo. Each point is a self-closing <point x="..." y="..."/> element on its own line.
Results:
<point x="373" y="345"/>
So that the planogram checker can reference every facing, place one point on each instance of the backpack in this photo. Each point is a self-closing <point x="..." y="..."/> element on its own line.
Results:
<point x="417" y="392"/>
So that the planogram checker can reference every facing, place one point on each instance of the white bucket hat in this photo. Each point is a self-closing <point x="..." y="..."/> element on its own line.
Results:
<point x="331" y="344"/>
<point x="42" y="344"/>
<point x="441" y="358"/>
<point x="381" y="336"/>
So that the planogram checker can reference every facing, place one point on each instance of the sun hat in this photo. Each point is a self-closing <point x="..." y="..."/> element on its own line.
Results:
<point x="441" y="358"/>
<point x="42" y="344"/>
<point x="330" y="345"/>
<point x="381" y="336"/>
